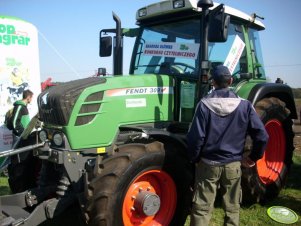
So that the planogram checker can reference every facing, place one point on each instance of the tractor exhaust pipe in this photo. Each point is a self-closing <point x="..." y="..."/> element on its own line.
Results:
<point x="118" y="47"/>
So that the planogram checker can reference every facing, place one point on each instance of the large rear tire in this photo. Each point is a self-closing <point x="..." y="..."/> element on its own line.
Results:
<point x="140" y="185"/>
<point x="264" y="182"/>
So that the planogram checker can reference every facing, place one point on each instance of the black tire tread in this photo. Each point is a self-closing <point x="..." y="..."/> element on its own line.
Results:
<point x="253" y="189"/>
<point x="101" y="189"/>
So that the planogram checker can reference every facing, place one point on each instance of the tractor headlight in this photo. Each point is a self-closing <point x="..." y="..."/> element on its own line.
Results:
<point x="43" y="135"/>
<point x="58" y="139"/>
<point x="178" y="4"/>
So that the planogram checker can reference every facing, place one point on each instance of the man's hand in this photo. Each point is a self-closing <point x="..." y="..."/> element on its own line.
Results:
<point x="247" y="162"/>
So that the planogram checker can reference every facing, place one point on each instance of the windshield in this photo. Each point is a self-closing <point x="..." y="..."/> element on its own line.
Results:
<point x="173" y="49"/>
<point x="169" y="49"/>
<point x="258" y="60"/>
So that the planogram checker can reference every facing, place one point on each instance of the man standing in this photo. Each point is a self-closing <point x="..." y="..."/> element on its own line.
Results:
<point x="216" y="141"/>
<point x="20" y="117"/>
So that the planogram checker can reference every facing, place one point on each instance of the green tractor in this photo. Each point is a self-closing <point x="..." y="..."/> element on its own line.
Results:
<point x="115" y="145"/>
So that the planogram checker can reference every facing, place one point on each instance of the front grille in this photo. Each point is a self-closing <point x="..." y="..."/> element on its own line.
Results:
<point x="90" y="107"/>
<point x="82" y="120"/>
<point x="87" y="108"/>
<point x="56" y="103"/>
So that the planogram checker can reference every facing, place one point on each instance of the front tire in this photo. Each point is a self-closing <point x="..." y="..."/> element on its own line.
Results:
<point x="264" y="182"/>
<point x="140" y="185"/>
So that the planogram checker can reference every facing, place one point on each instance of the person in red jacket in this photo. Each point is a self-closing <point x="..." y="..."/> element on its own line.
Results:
<point x="216" y="142"/>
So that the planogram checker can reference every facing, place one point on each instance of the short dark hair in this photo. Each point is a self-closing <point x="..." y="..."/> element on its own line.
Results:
<point x="223" y="84"/>
<point x="221" y="76"/>
<point x="27" y="93"/>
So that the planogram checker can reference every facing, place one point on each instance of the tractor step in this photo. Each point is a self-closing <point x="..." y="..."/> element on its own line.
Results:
<point x="13" y="209"/>
<point x="14" y="212"/>
<point x="12" y="215"/>
<point x="6" y="221"/>
<point x="15" y="216"/>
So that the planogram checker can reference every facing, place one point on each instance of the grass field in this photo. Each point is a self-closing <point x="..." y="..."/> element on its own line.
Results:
<point x="252" y="215"/>
<point x="256" y="214"/>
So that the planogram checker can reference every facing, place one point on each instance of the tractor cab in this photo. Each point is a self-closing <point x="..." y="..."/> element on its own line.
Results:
<point x="175" y="38"/>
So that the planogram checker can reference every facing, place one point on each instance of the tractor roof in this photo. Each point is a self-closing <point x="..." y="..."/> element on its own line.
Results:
<point x="168" y="7"/>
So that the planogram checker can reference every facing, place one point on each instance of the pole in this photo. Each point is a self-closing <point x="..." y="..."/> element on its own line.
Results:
<point x="203" y="54"/>
<point x="20" y="150"/>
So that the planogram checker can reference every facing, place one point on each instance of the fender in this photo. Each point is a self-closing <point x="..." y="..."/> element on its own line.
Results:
<point x="160" y="135"/>
<point x="281" y="91"/>
<point x="175" y="138"/>
<point x="167" y="137"/>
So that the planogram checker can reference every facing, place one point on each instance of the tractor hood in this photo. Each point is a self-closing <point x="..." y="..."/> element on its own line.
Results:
<point x="98" y="106"/>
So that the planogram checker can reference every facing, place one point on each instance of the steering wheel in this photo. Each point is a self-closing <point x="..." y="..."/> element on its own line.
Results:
<point x="180" y="68"/>
<point x="237" y="72"/>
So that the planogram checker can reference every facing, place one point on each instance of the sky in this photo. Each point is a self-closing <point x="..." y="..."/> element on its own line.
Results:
<point x="69" y="34"/>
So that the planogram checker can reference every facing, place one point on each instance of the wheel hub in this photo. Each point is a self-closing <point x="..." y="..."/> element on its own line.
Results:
<point x="147" y="203"/>
<point x="151" y="199"/>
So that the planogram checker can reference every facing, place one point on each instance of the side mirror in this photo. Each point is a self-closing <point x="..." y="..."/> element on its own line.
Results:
<point x="218" y="25"/>
<point x="105" y="46"/>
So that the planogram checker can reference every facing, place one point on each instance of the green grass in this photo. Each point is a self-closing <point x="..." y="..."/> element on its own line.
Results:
<point x="256" y="214"/>
<point x="4" y="189"/>
<point x="252" y="215"/>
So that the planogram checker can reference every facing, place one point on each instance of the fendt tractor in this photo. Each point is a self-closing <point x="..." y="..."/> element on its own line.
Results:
<point x="115" y="145"/>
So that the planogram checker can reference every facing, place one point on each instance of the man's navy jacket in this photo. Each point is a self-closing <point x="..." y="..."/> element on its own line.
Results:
<point x="219" y="128"/>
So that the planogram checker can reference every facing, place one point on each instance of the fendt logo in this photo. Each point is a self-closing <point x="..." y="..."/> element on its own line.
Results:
<point x="43" y="100"/>
<point x="9" y="36"/>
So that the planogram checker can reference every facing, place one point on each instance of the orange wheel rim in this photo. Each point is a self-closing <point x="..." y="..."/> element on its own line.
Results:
<point x="272" y="162"/>
<point x="160" y="185"/>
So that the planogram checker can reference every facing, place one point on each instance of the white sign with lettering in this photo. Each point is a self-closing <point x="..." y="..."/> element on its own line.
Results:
<point x="234" y="54"/>
<point x="172" y="49"/>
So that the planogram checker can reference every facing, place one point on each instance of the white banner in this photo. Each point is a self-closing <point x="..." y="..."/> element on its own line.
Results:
<point x="19" y="69"/>
<point x="234" y="54"/>
<point x="171" y="49"/>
